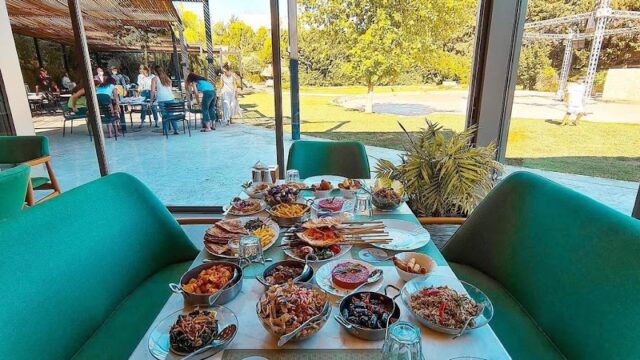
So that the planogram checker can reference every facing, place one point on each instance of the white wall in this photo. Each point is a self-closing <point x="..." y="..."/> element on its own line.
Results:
<point x="622" y="84"/>
<point x="13" y="81"/>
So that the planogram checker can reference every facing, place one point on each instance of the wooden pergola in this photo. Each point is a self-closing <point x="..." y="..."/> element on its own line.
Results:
<point x="50" y="20"/>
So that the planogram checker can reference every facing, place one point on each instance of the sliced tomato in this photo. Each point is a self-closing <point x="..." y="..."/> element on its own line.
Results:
<point x="335" y="249"/>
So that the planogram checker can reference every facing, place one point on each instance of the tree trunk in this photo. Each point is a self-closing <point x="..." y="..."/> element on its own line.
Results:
<point x="146" y="57"/>
<point x="368" y="108"/>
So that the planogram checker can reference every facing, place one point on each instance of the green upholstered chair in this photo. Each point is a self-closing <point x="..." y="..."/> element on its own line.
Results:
<point x="31" y="150"/>
<point x="342" y="158"/>
<point x="85" y="281"/>
<point x="13" y="189"/>
<point x="561" y="269"/>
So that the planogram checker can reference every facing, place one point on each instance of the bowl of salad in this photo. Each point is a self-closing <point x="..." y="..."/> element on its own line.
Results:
<point x="387" y="195"/>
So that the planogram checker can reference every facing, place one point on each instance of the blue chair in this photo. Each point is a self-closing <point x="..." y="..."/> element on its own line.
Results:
<point x="68" y="115"/>
<point x="171" y="112"/>
<point x="107" y="114"/>
<point x="341" y="158"/>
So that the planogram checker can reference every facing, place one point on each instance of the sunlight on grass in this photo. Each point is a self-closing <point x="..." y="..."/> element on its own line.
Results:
<point x="598" y="149"/>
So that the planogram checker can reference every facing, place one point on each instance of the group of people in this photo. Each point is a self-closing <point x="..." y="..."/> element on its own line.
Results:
<point x="228" y="96"/>
<point x="155" y="86"/>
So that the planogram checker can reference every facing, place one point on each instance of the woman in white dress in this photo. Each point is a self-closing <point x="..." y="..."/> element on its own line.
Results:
<point x="230" y="106"/>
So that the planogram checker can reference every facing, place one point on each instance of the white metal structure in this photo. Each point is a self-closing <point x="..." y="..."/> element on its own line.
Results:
<point x="602" y="14"/>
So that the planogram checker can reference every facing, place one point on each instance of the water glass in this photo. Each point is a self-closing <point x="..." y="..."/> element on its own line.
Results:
<point x="250" y="249"/>
<point x="403" y="342"/>
<point x="363" y="205"/>
<point x="293" y="176"/>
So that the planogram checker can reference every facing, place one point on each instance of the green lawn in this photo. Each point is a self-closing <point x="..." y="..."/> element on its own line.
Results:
<point x="593" y="149"/>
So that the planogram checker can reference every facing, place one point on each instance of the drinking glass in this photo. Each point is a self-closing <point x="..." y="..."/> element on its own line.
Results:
<point x="250" y="249"/>
<point x="293" y="176"/>
<point x="363" y="205"/>
<point x="403" y="342"/>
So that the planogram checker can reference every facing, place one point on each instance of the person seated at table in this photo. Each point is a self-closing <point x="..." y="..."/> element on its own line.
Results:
<point x="195" y="82"/>
<point x="67" y="84"/>
<point x="118" y="77"/>
<point x="108" y="87"/>
<point x="161" y="91"/>
<point x="78" y="102"/>
<point x="144" y="88"/>
<point x="100" y="76"/>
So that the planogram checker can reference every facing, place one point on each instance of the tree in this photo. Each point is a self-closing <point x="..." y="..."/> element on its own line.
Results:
<point x="382" y="38"/>
<point x="534" y="58"/>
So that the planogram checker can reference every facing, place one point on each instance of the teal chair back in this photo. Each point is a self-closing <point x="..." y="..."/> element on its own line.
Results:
<point x="68" y="262"/>
<point x="341" y="158"/>
<point x="571" y="262"/>
<point x="13" y="189"/>
<point x="19" y="149"/>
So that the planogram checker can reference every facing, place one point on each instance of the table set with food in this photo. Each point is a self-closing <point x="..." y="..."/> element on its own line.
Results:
<point x="327" y="267"/>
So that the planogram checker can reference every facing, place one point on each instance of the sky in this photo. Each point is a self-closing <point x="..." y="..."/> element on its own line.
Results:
<point x="253" y="12"/>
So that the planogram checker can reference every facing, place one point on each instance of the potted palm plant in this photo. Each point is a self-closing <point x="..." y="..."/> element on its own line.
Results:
<point x="444" y="176"/>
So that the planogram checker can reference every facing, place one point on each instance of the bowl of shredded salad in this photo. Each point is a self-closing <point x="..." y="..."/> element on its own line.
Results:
<point x="445" y="304"/>
<point x="283" y="308"/>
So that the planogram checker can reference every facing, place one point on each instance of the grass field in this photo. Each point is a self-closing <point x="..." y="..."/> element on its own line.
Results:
<point x="594" y="149"/>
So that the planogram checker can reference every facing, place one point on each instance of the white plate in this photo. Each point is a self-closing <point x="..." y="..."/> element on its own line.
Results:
<point x="343" y="250"/>
<point x="272" y="224"/>
<point x="335" y="180"/>
<point x="323" y="278"/>
<point x="347" y="206"/>
<point x="231" y="210"/>
<point x="407" y="236"/>
<point x="159" y="338"/>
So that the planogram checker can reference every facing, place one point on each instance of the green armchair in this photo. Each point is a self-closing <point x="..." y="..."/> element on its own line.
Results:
<point x="13" y="189"/>
<point x="342" y="158"/>
<point x="561" y="269"/>
<point x="31" y="150"/>
<point x="83" y="281"/>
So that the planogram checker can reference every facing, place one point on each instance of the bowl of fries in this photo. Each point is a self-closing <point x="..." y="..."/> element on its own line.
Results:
<point x="289" y="214"/>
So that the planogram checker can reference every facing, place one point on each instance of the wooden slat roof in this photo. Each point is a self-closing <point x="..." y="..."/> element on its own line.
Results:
<point x="50" y="20"/>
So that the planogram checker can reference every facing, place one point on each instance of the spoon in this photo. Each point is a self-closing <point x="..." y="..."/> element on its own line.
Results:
<point x="213" y="298"/>
<point x="223" y="336"/>
<point x="466" y="323"/>
<point x="286" y="337"/>
<point x="373" y="277"/>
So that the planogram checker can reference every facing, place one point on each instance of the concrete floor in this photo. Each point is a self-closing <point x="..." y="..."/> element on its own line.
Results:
<point x="526" y="104"/>
<point x="208" y="168"/>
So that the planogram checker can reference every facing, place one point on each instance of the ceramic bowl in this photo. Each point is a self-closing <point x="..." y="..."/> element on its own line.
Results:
<point x="421" y="259"/>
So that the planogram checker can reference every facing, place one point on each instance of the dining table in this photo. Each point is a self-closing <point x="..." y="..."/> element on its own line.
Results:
<point x="332" y="341"/>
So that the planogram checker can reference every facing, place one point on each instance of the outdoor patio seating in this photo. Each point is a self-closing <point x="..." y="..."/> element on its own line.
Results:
<point x="108" y="115"/>
<point x="173" y="111"/>
<point x="13" y="189"/>
<point x="93" y="284"/>
<point x="70" y="116"/>
<point x="31" y="150"/>
<point x="554" y="262"/>
<point x="343" y="158"/>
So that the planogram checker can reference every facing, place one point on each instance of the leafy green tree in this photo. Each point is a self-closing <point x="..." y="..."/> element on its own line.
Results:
<point x="382" y="38"/>
<point x="534" y="58"/>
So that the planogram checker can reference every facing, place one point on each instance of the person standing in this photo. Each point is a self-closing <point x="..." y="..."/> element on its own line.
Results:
<point x="196" y="83"/>
<point x="144" y="88"/>
<point x="229" y="94"/>
<point x="574" y="99"/>
<point x="161" y="92"/>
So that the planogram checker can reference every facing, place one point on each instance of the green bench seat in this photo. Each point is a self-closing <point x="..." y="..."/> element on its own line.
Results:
<point x="86" y="273"/>
<point x="561" y="269"/>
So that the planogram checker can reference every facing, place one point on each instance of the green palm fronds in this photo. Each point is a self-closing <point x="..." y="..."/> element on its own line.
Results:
<point x="443" y="175"/>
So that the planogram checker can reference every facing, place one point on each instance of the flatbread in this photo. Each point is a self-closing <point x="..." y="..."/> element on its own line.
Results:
<point x="221" y="233"/>
<point x="233" y="226"/>
<point x="217" y="249"/>
<point x="321" y="222"/>
<point x="320" y="242"/>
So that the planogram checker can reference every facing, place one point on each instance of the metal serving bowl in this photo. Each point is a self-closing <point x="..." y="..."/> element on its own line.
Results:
<point x="311" y="329"/>
<point x="227" y="295"/>
<point x="290" y="221"/>
<point x="306" y="276"/>
<point x="362" y="332"/>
